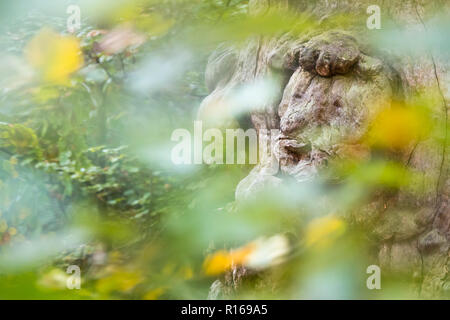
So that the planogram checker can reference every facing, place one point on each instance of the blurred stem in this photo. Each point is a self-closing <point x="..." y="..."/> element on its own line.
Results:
<point x="122" y="64"/>
<point x="102" y="117"/>
<point x="107" y="72"/>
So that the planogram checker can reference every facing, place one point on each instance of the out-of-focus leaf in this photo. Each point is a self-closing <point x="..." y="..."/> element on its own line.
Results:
<point x="55" y="57"/>
<point x="321" y="232"/>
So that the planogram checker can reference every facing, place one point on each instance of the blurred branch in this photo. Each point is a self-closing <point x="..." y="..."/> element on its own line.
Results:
<point x="109" y="73"/>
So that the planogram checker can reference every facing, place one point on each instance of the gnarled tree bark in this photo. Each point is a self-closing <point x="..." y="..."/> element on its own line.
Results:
<point x="329" y="80"/>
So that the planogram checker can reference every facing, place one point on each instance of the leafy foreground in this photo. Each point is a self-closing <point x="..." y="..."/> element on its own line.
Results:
<point x="86" y="177"/>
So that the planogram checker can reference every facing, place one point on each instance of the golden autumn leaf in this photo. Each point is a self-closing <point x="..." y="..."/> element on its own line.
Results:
<point x="3" y="225"/>
<point x="154" y="294"/>
<point x="121" y="280"/>
<point x="322" y="231"/>
<point x="13" y="160"/>
<point x="224" y="260"/>
<point x="54" y="279"/>
<point x="397" y="127"/>
<point x="12" y="231"/>
<point x="258" y="254"/>
<point x="217" y="263"/>
<point x="186" y="273"/>
<point x="54" y="56"/>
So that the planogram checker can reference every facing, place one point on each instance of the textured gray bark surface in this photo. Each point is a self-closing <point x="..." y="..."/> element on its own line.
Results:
<point x="328" y="81"/>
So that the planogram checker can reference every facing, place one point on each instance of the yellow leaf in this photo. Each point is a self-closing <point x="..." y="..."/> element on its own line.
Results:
<point x="121" y="280"/>
<point x="54" y="56"/>
<point x="13" y="160"/>
<point x="222" y="260"/>
<point x="54" y="279"/>
<point x="240" y="255"/>
<point x="186" y="273"/>
<point x="397" y="127"/>
<point x="217" y="263"/>
<point x="154" y="294"/>
<point x="322" y="231"/>
<point x="12" y="231"/>
<point x="3" y="225"/>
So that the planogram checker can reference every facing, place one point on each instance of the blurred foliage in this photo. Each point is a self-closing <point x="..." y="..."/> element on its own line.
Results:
<point x="85" y="172"/>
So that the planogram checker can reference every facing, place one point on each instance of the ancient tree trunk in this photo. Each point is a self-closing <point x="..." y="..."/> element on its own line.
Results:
<point x="337" y="70"/>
